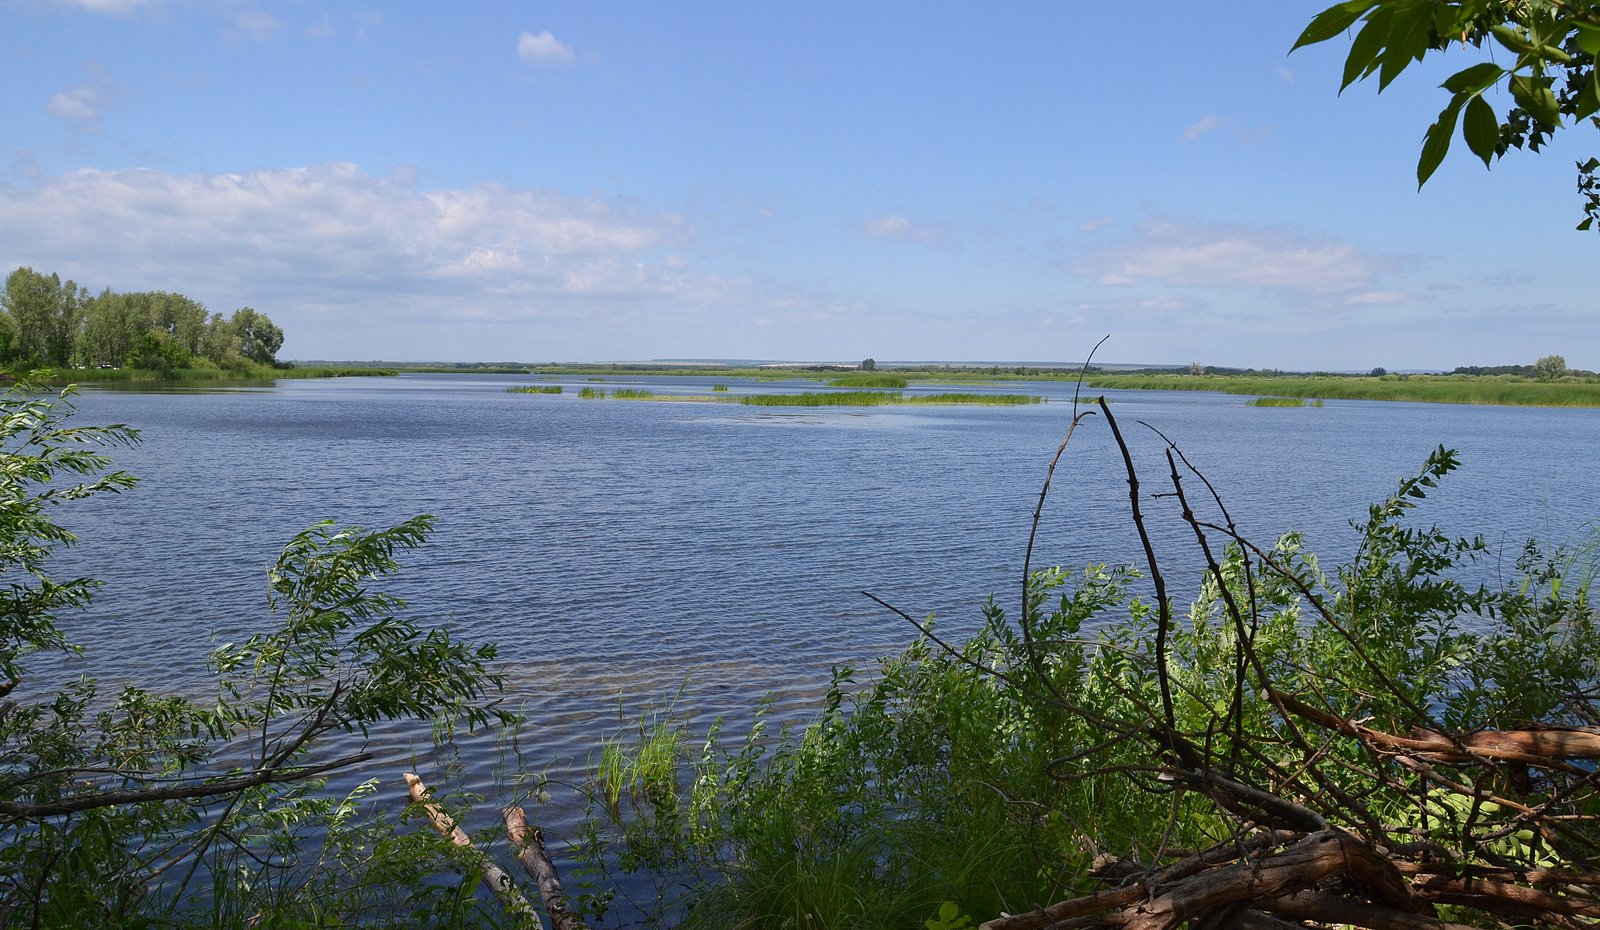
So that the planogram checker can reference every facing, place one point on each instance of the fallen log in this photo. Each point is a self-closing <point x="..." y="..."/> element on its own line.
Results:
<point x="1533" y="747"/>
<point x="529" y="843"/>
<point x="493" y="876"/>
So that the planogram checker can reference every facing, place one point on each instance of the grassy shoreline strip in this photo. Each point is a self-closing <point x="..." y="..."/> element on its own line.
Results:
<point x="1438" y="390"/>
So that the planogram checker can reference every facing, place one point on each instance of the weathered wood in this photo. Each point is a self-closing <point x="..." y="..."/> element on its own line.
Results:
<point x="493" y="876"/>
<point x="529" y="843"/>
<point x="1332" y="909"/>
<point x="1531" y="746"/>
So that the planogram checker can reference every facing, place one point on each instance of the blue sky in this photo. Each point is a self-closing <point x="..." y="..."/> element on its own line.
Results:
<point x="598" y="180"/>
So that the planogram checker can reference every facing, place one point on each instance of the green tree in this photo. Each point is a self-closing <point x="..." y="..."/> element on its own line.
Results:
<point x="1541" y="51"/>
<point x="110" y="804"/>
<point x="46" y="315"/>
<point x="259" y="339"/>
<point x="869" y="364"/>
<point x="1550" y="368"/>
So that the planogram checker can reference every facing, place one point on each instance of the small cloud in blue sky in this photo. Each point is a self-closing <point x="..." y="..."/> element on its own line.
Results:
<point x="898" y="228"/>
<point x="79" y="103"/>
<point x="544" y="49"/>
<point x="112" y="7"/>
<point x="254" y="24"/>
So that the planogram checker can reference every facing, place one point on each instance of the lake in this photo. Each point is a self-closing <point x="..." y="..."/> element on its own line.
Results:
<point x="626" y="553"/>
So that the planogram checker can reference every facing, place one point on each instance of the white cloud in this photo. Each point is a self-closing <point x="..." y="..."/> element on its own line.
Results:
<point x="81" y="103"/>
<point x="111" y="7"/>
<point x="1188" y="255"/>
<point x="544" y="49"/>
<point x="254" y="24"/>
<point x="898" y="228"/>
<point x="334" y="235"/>
<point x="1204" y="125"/>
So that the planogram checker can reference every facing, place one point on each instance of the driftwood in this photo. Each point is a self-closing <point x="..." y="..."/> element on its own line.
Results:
<point x="1499" y="825"/>
<point x="529" y="843"/>
<point x="493" y="876"/>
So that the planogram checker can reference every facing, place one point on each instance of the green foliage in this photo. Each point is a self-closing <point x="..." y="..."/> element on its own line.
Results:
<point x="983" y="778"/>
<point x="534" y="389"/>
<point x="632" y="394"/>
<point x="592" y="392"/>
<point x="868" y="364"/>
<point x="49" y="323"/>
<point x="138" y="808"/>
<point x="1276" y="402"/>
<point x="868" y="378"/>
<point x="1444" y="389"/>
<point x="1550" y="368"/>
<point x="1542" y="53"/>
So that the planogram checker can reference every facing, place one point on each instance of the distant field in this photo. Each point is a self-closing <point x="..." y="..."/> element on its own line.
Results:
<point x="1438" y="389"/>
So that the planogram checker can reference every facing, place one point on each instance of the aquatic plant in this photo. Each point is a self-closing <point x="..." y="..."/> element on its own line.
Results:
<point x="592" y="392"/>
<point x="632" y="394"/>
<point x="869" y="379"/>
<point x="1276" y="402"/>
<point x="534" y="389"/>
<point x="719" y="387"/>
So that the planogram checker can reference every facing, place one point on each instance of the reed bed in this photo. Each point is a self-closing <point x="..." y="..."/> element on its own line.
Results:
<point x="884" y="398"/>
<point x="869" y="379"/>
<point x="592" y="393"/>
<point x="719" y="387"/>
<point x="632" y="394"/>
<point x="1276" y="402"/>
<point x="534" y="389"/>
<point x="1443" y="389"/>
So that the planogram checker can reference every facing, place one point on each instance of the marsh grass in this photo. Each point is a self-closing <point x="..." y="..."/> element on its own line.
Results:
<point x="251" y="373"/>
<point x="869" y="379"/>
<point x="1442" y="389"/>
<point x="884" y="398"/>
<point x="632" y="394"/>
<point x="592" y="392"/>
<point x="719" y="387"/>
<point x="1276" y="402"/>
<point x="534" y="389"/>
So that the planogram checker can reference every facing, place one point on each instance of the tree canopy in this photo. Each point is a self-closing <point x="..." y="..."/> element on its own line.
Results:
<point x="45" y="321"/>
<point x="1541" y="51"/>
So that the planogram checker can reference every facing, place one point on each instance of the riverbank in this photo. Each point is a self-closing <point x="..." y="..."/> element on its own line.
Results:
<point x="181" y="375"/>
<point x="1434" y="389"/>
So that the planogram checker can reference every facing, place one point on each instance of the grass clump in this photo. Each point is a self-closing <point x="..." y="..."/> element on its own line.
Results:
<point x="1276" y="402"/>
<point x="719" y="387"/>
<point x="869" y="379"/>
<point x="632" y="394"/>
<point x="592" y="392"/>
<point x="534" y="389"/>
<point x="883" y="399"/>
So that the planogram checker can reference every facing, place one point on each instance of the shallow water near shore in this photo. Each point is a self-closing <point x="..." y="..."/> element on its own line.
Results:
<point x="627" y="554"/>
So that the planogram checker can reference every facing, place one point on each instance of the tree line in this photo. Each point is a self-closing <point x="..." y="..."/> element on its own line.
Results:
<point x="48" y="322"/>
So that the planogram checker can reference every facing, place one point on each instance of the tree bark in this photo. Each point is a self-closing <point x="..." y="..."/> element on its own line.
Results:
<point x="495" y="877"/>
<point x="529" y="843"/>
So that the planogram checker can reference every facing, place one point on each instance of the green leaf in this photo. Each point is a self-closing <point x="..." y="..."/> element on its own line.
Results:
<point x="1534" y="95"/>
<point x="1478" y="78"/>
<point x="1480" y="128"/>
<point x="1588" y="37"/>
<point x="1586" y="224"/>
<point x="1513" y="39"/>
<point x="1437" y="141"/>
<point x="1332" y="21"/>
<point x="1588" y="97"/>
<point x="1371" y="40"/>
<point x="1408" y="40"/>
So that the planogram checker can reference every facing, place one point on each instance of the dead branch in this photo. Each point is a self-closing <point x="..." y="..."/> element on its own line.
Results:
<point x="529" y="843"/>
<point x="493" y="876"/>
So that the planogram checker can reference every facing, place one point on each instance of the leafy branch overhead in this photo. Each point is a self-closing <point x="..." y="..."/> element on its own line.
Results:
<point x="1541" y="51"/>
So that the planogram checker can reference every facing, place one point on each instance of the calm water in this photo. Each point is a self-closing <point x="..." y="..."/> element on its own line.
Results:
<point x="616" y="549"/>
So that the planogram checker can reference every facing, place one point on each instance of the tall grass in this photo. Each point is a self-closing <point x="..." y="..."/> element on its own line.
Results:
<point x="883" y="398"/>
<point x="632" y="394"/>
<point x="869" y="379"/>
<point x="719" y="387"/>
<point x="534" y="389"/>
<point x="1446" y="389"/>
<point x="592" y="392"/>
<point x="1276" y="402"/>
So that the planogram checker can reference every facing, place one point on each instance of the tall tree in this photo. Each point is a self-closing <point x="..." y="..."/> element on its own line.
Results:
<point x="259" y="338"/>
